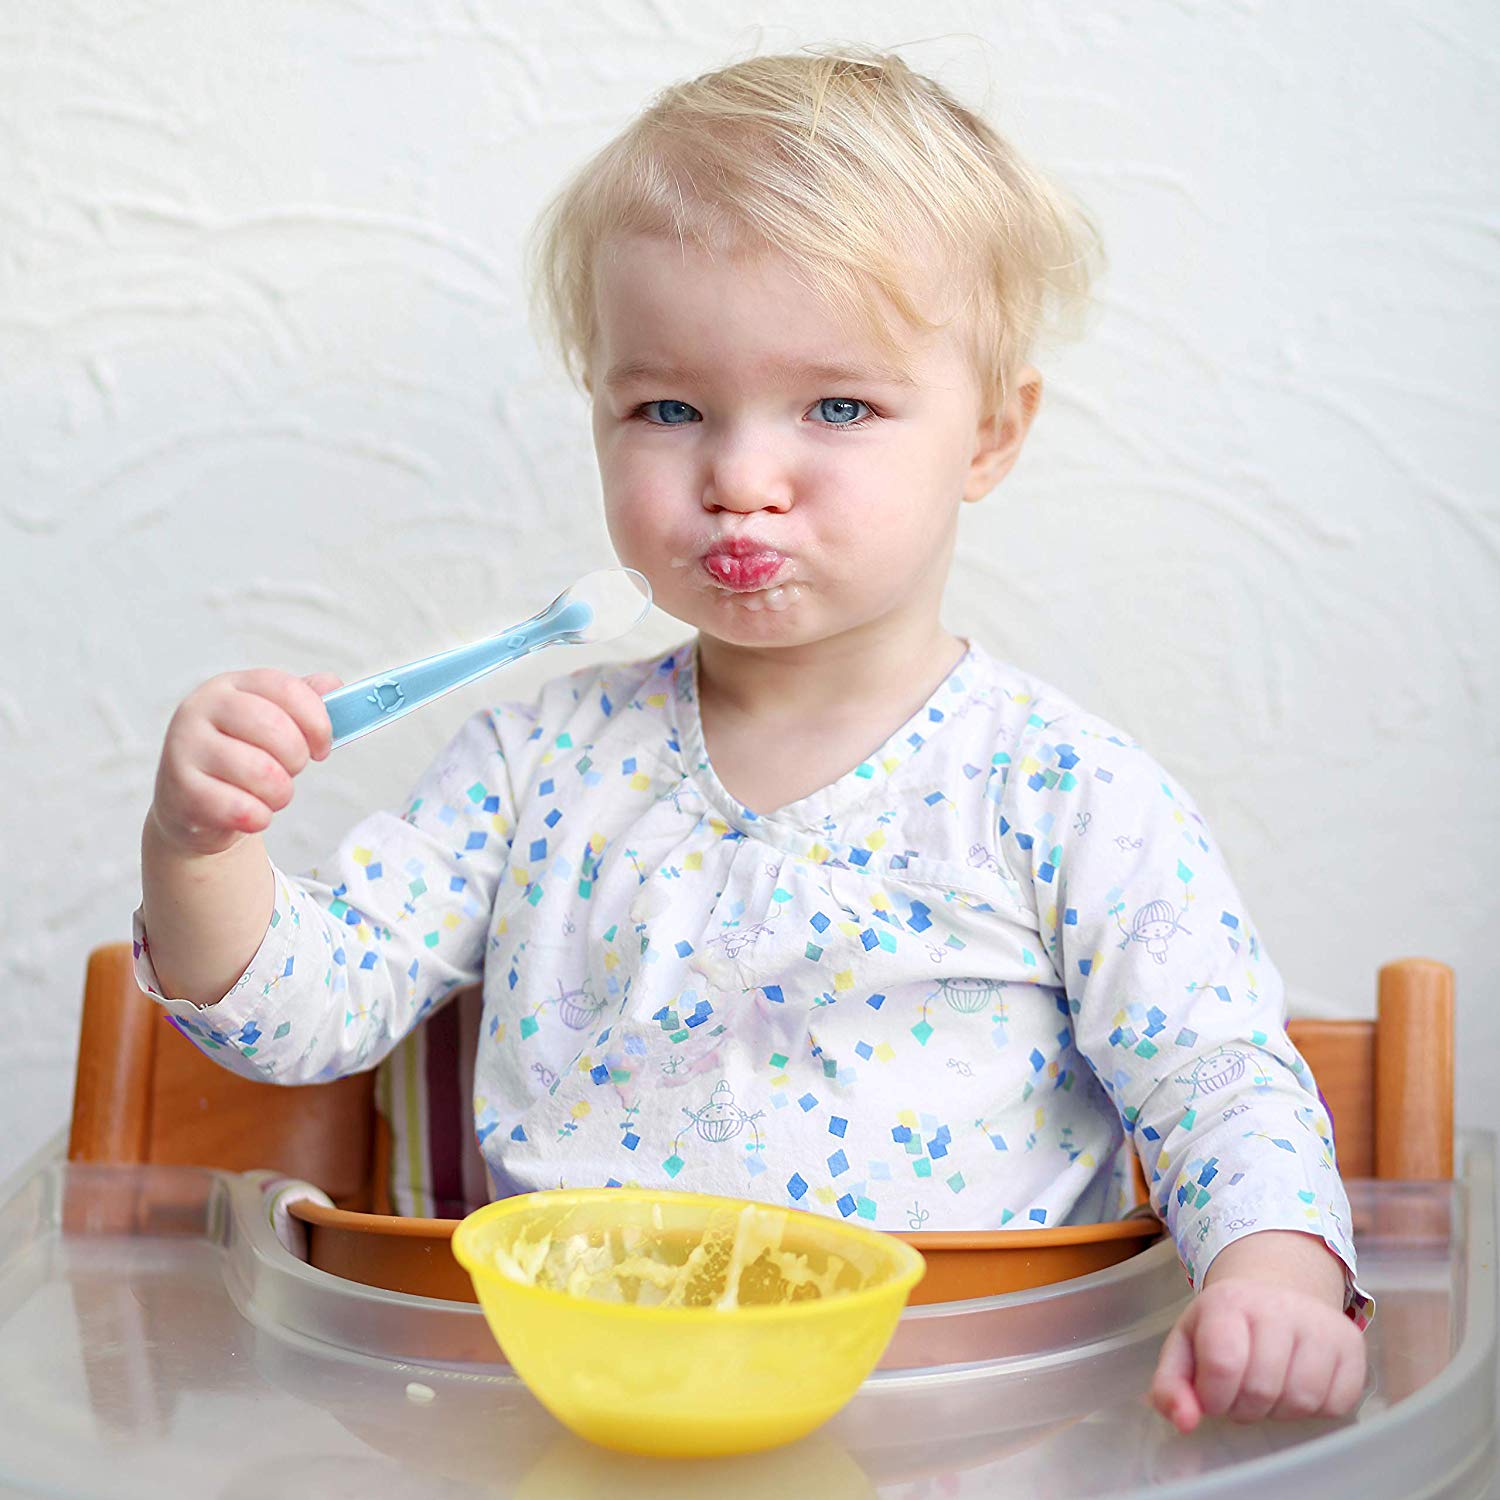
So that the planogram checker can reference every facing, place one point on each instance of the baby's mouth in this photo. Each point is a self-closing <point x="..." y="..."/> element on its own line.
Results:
<point x="743" y="571"/>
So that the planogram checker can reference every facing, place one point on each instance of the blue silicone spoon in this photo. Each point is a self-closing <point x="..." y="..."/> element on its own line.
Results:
<point x="599" y="607"/>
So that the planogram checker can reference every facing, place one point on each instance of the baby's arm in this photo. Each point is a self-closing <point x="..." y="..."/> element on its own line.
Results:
<point x="227" y="763"/>
<point x="1178" y="1010"/>
<point x="326" y="976"/>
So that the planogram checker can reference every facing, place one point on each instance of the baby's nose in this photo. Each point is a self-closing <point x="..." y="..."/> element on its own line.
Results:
<point x="746" y="498"/>
<point x="746" y="476"/>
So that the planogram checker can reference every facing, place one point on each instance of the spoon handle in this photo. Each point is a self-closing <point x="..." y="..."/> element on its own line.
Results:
<point x="359" y="707"/>
<point x="598" y="607"/>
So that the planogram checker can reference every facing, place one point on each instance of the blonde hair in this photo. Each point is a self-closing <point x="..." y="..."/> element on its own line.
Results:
<point x="858" y="171"/>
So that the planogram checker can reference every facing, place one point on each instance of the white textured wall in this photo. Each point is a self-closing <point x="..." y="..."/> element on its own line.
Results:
<point x="268" y="396"/>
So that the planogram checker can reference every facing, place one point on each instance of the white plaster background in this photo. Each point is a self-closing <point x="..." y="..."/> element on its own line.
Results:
<point x="268" y="396"/>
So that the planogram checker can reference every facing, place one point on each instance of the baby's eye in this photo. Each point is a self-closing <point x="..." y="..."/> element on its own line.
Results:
<point x="673" y="413"/>
<point x="841" y="411"/>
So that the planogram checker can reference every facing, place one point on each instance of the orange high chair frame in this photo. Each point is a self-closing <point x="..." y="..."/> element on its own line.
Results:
<point x="145" y="1095"/>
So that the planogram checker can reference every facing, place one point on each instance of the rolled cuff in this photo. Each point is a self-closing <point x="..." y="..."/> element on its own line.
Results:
<point x="244" y="1000"/>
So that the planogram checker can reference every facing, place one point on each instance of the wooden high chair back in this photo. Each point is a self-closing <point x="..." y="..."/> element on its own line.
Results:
<point x="144" y="1093"/>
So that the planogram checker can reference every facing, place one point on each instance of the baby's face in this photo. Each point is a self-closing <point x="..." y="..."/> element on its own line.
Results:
<point x="762" y="465"/>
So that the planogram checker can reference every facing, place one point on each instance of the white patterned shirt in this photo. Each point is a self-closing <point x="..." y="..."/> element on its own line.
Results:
<point x="951" y="990"/>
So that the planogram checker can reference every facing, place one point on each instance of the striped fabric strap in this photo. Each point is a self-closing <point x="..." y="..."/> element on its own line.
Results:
<point x="424" y="1090"/>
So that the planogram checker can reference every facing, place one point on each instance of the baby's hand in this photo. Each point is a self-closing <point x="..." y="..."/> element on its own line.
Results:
<point x="1248" y="1349"/>
<point x="230" y="754"/>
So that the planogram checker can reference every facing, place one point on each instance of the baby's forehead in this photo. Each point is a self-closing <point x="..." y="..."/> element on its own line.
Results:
<point x="784" y="368"/>
<point x="663" y="308"/>
<point x="630" y="261"/>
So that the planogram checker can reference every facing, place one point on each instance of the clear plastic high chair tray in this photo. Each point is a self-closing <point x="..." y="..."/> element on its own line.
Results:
<point x="156" y="1339"/>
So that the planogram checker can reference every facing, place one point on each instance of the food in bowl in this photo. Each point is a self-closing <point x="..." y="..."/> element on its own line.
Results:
<point x="738" y="1259"/>
<point x="678" y="1324"/>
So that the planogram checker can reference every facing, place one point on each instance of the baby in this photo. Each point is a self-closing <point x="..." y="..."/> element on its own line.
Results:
<point x="826" y="907"/>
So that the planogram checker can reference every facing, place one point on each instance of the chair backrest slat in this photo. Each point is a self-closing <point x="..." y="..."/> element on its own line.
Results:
<point x="144" y="1093"/>
<point x="1341" y="1055"/>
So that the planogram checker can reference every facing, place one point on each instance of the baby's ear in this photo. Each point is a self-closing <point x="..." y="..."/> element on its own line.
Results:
<point x="1000" y="434"/>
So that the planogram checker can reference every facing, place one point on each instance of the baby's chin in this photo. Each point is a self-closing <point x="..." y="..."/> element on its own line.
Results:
<point x="782" y="615"/>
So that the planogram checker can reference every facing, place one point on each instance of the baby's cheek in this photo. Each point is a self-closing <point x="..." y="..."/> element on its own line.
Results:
<point x="636" y="529"/>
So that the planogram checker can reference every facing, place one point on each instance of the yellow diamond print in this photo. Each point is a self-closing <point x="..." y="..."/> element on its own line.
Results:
<point x="640" y="782"/>
<point x="362" y="856"/>
<point x="844" y="980"/>
<point x="363" y="934"/>
<point x="780" y="1081"/>
<point x="451" y="920"/>
<point x="908" y="1118"/>
<point x="885" y="1052"/>
<point x="876" y="840"/>
<point x="499" y="824"/>
<point x="890" y="763"/>
<point x="596" y="843"/>
<point x="611" y="961"/>
<point x="580" y="1109"/>
<point x="500" y="1032"/>
<point x="694" y="861"/>
<point x="520" y="876"/>
<point x="820" y="854"/>
<point x="823" y="1194"/>
<point x="656" y="700"/>
<point x="849" y="929"/>
<point x="1030" y="766"/>
<point x="719" y="826"/>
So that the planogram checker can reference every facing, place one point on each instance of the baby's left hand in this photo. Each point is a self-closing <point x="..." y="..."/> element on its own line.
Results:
<point x="1249" y="1348"/>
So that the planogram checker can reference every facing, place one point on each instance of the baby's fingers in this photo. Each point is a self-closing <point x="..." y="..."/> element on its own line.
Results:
<point x="281" y="713"/>
<point x="1172" y="1388"/>
<point x="314" y="720"/>
<point x="243" y="766"/>
<point x="1348" y="1379"/>
<point x="1309" y="1377"/>
<point x="1221" y="1354"/>
<point x="1265" y="1377"/>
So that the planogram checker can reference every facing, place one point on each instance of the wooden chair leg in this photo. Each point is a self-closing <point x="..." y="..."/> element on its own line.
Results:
<point x="116" y="1056"/>
<point x="1414" y="1071"/>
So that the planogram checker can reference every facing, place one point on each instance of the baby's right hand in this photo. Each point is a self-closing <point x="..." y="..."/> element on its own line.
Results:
<point x="231" y="751"/>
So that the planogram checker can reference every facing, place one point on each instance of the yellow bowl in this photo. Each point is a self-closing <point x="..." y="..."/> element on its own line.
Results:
<point x="815" y="1306"/>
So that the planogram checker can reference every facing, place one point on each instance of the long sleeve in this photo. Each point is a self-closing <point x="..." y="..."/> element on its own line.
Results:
<point x="361" y="948"/>
<point x="1174" y="1002"/>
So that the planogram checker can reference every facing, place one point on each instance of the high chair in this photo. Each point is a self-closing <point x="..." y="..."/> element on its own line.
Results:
<point x="145" y="1094"/>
